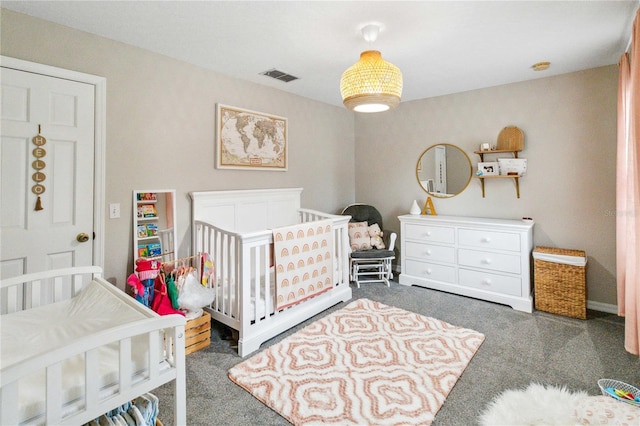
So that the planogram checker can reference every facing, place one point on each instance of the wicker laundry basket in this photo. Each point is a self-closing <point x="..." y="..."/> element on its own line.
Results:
<point x="560" y="281"/>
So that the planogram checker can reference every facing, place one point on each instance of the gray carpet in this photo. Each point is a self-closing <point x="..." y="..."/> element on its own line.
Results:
<point x="519" y="348"/>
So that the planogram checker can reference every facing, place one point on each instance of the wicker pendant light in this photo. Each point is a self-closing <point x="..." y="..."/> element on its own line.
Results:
<point x="371" y="84"/>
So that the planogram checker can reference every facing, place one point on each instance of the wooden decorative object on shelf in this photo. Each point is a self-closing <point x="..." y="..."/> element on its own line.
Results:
<point x="511" y="138"/>
<point x="428" y="208"/>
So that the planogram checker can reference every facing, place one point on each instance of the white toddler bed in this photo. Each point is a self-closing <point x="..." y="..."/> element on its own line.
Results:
<point x="236" y="229"/>
<point x="74" y="347"/>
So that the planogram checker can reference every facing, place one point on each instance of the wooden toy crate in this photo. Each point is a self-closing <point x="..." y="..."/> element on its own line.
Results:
<point x="197" y="333"/>
<point x="560" y="288"/>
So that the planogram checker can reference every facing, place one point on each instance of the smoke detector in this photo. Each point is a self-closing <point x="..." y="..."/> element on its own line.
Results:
<point x="541" y="66"/>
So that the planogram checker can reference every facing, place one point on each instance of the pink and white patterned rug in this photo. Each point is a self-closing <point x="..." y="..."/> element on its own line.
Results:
<point x="367" y="363"/>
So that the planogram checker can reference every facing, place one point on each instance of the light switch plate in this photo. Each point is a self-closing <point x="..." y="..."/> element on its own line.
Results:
<point x="114" y="211"/>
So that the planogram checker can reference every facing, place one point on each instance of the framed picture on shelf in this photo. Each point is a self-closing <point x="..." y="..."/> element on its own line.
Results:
<point x="490" y="168"/>
<point x="250" y="140"/>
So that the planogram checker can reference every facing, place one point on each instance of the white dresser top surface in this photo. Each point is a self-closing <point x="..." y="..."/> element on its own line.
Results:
<point x="464" y="220"/>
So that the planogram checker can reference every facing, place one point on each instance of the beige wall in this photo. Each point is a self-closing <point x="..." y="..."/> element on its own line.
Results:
<point x="160" y="134"/>
<point x="569" y="123"/>
<point x="161" y="122"/>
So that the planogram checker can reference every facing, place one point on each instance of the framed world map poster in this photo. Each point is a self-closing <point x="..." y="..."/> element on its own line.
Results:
<point x="250" y="140"/>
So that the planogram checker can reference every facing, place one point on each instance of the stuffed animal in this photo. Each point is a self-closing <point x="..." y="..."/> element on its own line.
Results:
<point x="376" y="236"/>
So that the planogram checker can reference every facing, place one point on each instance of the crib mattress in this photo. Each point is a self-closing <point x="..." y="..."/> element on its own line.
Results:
<point x="41" y="330"/>
<point x="229" y="293"/>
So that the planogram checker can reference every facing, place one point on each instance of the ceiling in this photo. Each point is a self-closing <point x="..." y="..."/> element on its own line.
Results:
<point x="442" y="47"/>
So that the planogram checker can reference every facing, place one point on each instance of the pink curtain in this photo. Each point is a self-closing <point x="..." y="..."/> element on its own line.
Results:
<point x="628" y="192"/>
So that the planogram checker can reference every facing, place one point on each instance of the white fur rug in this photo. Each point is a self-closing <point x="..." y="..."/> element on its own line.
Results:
<point x="535" y="405"/>
<point x="550" y="405"/>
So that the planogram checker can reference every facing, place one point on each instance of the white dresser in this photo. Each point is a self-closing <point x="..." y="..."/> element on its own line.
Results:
<point x="478" y="257"/>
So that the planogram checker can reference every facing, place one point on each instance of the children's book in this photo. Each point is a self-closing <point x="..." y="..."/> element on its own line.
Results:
<point x="152" y="230"/>
<point x="147" y="196"/>
<point x="154" y="249"/>
<point x="143" y="251"/>
<point x="148" y="210"/>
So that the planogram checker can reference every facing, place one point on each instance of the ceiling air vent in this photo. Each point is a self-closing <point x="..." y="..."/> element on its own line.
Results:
<point x="279" y="75"/>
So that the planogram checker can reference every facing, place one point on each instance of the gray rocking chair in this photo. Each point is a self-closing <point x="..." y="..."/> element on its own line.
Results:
<point x="374" y="265"/>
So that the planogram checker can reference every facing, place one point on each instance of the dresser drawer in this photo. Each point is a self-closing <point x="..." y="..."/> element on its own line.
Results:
<point x="491" y="282"/>
<point x="489" y="239"/>
<point x="487" y="260"/>
<point x="430" y="252"/>
<point x="431" y="271"/>
<point x="436" y="234"/>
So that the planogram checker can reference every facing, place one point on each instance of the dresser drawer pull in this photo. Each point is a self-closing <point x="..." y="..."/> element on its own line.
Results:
<point x="486" y="261"/>
<point x="428" y="271"/>
<point x="486" y="282"/>
<point x="428" y="252"/>
<point x="485" y="239"/>
<point x="428" y="234"/>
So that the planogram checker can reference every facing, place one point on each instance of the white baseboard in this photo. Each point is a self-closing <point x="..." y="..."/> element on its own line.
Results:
<point x="595" y="306"/>
<point x="602" y="307"/>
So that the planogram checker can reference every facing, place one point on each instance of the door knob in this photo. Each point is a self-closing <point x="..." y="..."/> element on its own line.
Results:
<point x="82" y="237"/>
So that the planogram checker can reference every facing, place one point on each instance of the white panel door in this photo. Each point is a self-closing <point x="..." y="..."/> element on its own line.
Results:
<point x="36" y="240"/>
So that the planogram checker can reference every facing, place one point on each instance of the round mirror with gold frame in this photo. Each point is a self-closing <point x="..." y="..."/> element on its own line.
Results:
<point x="444" y="170"/>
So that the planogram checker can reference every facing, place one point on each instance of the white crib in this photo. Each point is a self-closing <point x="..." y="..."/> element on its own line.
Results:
<point x="235" y="229"/>
<point x="101" y="349"/>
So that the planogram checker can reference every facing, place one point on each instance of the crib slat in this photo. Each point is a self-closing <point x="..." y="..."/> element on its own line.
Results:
<point x="91" y="367"/>
<point x="225" y="274"/>
<point x="57" y="289"/>
<point x="78" y="284"/>
<point x="219" y="268"/>
<point x="35" y="294"/>
<point x="154" y="356"/>
<point x="54" y="394"/>
<point x="124" y="364"/>
<point x="254" y="279"/>
<point x="229" y="302"/>
<point x="9" y="399"/>
<point x="245" y="290"/>
<point x="266" y="262"/>
<point x="221" y="274"/>
<point x="14" y="300"/>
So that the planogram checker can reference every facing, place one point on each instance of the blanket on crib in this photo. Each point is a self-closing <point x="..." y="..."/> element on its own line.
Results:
<point x="303" y="256"/>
